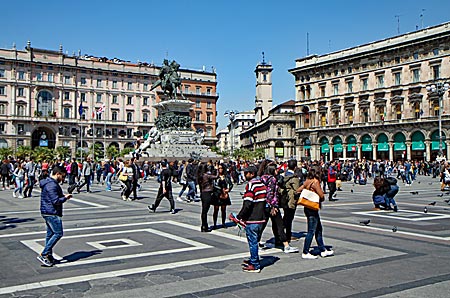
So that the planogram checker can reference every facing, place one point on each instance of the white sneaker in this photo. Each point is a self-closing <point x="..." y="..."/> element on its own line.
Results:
<point x="20" y="197"/>
<point x="309" y="256"/>
<point x="124" y="198"/>
<point x="179" y="199"/>
<point x="14" y="195"/>
<point x="327" y="253"/>
<point x="289" y="249"/>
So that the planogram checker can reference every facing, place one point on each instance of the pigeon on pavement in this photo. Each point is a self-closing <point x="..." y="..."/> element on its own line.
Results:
<point x="432" y="203"/>
<point x="414" y="192"/>
<point x="351" y="190"/>
<point x="440" y="195"/>
<point x="365" y="222"/>
<point x="394" y="229"/>
<point x="425" y="210"/>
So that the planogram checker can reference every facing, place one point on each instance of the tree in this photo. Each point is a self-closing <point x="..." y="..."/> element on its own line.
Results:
<point x="111" y="152"/>
<point x="5" y="152"/>
<point x="125" y="151"/>
<point x="63" y="152"/>
<point x="98" y="151"/>
<point x="43" y="153"/>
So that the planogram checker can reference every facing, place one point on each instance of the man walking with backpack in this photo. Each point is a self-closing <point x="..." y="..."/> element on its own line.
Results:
<point x="288" y="200"/>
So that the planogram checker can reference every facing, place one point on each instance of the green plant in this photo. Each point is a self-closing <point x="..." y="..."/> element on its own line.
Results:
<point x="125" y="151"/>
<point x="111" y="152"/>
<point x="23" y="152"/>
<point x="63" y="152"/>
<point x="96" y="151"/>
<point x="43" y="153"/>
<point x="5" y="152"/>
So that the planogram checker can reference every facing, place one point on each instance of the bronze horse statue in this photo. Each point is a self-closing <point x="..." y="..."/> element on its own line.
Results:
<point x="169" y="80"/>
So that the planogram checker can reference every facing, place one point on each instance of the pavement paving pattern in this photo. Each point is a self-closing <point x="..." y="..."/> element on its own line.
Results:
<point x="116" y="248"/>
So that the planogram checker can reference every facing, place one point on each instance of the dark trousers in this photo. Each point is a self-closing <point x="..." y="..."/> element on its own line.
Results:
<point x="168" y="195"/>
<point x="29" y="188"/>
<point x="6" y="178"/>
<point x="134" y="184"/>
<point x="206" y="203"/>
<point x="277" y="226"/>
<point x="332" y="189"/>
<point x="87" y="180"/>
<point x="288" y="218"/>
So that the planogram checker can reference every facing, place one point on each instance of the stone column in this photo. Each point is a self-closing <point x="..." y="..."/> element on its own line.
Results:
<point x="427" y="150"/>
<point x="408" y="150"/>
<point x="391" y="151"/>
<point x="331" y="152"/>
<point x="374" y="152"/>
<point x="359" y="150"/>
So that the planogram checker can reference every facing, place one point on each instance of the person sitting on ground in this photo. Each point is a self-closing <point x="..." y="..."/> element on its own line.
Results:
<point x="378" y="196"/>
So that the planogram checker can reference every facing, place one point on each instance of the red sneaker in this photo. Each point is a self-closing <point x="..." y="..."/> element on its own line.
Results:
<point x="250" y="268"/>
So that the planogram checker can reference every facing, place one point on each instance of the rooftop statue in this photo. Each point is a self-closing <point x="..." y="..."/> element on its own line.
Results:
<point x="169" y="79"/>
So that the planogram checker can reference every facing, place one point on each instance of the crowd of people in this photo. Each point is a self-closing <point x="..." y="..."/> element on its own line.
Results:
<point x="272" y="191"/>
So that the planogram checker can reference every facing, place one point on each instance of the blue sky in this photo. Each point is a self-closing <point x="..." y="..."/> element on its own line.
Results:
<point x="227" y="35"/>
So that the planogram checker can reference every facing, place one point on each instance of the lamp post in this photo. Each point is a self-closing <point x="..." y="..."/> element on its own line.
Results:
<point x="231" y="116"/>
<point x="439" y="88"/>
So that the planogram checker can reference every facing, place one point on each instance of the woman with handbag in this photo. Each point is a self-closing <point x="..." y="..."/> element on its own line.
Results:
<point x="125" y="177"/>
<point x="205" y="182"/>
<point x="220" y="196"/>
<point x="312" y="184"/>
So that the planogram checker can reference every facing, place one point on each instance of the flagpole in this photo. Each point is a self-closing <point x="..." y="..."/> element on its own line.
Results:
<point x="104" y="136"/>
<point x="94" y="112"/>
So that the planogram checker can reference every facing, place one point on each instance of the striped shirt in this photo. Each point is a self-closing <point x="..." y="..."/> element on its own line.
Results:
<point x="254" y="202"/>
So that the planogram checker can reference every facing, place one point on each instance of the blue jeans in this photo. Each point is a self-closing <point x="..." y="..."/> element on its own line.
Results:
<point x="253" y="231"/>
<point x="108" y="181"/>
<point x="314" y="229"/>
<point x="54" y="232"/>
<point x="191" y="192"/>
<point x="19" y="183"/>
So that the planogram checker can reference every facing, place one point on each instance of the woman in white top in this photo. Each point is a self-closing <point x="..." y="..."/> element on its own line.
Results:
<point x="19" y="175"/>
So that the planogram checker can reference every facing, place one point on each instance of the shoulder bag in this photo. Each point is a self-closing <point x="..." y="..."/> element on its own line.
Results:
<point x="309" y="199"/>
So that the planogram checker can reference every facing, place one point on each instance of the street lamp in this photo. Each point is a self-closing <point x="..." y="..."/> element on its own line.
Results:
<point x="231" y="116"/>
<point x="439" y="88"/>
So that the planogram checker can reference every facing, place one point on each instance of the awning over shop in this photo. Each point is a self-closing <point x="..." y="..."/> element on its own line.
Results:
<point x="337" y="145"/>
<point x="399" y="142"/>
<point x="366" y="143"/>
<point x="435" y="141"/>
<point x="324" y="147"/>
<point x="307" y="144"/>
<point x="383" y="144"/>
<point x="351" y="144"/>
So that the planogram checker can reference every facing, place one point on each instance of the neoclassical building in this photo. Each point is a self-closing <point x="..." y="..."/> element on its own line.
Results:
<point x="274" y="127"/>
<point x="42" y="93"/>
<point x="371" y="100"/>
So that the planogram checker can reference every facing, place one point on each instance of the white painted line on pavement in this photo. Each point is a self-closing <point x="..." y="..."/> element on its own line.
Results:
<point x="126" y="243"/>
<point x="32" y="244"/>
<point x="222" y="234"/>
<point x="118" y="273"/>
<point x="88" y="203"/>
<point x="421" y="216"/>
<point x="86" y="228"/>
<point x="379" y="229"/>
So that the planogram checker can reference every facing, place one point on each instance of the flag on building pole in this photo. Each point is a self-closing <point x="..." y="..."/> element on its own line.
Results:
<point x="80" y="109"/>
<point x="102" y="109"/>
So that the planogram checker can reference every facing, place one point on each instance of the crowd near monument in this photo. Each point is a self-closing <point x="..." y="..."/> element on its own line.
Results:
<point x="173" y="136"/>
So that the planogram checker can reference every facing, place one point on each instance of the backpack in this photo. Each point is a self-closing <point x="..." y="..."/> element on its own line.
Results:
<point x="111" y="169"/>
<point x="391" y="180"/>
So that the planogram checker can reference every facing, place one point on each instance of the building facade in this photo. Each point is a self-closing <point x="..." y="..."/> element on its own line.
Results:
<point x="274" y="127"/>
<point x="371" y="101"/>
<point x="42" y="93"/>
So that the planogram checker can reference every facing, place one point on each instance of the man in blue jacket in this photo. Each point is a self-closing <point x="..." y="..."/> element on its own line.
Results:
<point x="52" y="199"/>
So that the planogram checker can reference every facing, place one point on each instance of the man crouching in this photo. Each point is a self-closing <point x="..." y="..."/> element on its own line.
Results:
<point x="252" y="214"/>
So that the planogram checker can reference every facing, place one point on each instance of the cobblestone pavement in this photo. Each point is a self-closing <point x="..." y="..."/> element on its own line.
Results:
<point x="116" y="248"/>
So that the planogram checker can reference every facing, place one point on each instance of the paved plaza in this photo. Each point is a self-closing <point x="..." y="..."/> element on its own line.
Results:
<point x="115" y="248"/>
